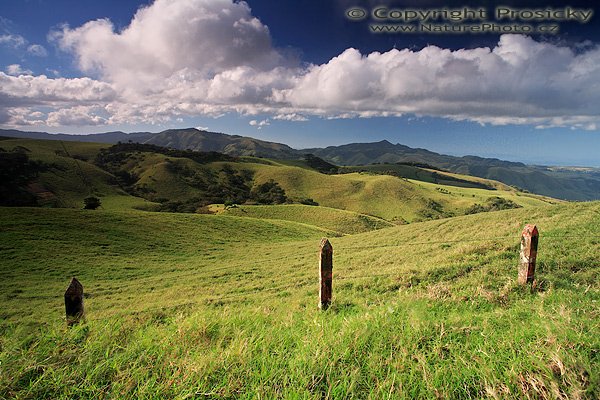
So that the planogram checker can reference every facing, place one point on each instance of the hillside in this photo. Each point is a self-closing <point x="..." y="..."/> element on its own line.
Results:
<point x="193" y="139"/>
<point x="220" y="306"/>
<point x="340" y="221"/>
<point x="558" y="182"/>
<point x="189" y="181"/>
<point x="563" y="183"/>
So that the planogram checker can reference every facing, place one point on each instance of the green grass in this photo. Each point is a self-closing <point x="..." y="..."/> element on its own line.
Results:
<point x="344" y="222"/>
<point x="193" y="306"/>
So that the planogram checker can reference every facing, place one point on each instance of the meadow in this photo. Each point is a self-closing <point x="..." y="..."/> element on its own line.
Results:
<point x="221" y="306"/>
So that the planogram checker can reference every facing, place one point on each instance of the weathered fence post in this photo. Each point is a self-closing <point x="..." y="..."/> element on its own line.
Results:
<point x="74" y="302"/>
<point x="529" y="245"/>
<point x="325" y="273"/>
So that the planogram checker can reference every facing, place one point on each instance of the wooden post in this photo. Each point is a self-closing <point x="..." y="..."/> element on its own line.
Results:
<point x="74" y="302"/>
<point x="325" y="273"/>
<point x="529" y="245"/>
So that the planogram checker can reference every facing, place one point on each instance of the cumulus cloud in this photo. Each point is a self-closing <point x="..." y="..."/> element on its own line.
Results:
<point x="210" y="57"/>
<point x="518" y="81"/>
<point x="28" y="90"/>
<point x="16" y="69"/>
<point x="173" y="38"/>
<point x="77" y="116"/>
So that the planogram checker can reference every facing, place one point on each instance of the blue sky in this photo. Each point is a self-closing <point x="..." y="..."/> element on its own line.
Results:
<point x="285" y="71"/>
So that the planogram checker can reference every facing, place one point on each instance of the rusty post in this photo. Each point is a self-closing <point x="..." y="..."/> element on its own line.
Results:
<point x="74" y="302"/>
<point x="529" y="245"/>
<point x="325" y="273"/>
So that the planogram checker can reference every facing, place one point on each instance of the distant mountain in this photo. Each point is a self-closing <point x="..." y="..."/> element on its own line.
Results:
<point x="562" y="183"/>
<point x="108" y="137"/>
<point x="181" y="139"/>
<point x="193" y="139"/>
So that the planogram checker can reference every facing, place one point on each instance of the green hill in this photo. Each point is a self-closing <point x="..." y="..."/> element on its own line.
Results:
<point x="204" y="306"/>
<point x="569" y="183"/>
<point x="132" y="175"/>
<point x="68" y="175"/>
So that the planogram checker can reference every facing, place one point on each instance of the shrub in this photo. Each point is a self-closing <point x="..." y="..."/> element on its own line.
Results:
<point x="91" y="203"/>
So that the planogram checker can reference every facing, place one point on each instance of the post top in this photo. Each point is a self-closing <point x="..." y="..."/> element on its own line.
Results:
<point x="325" y="245"/>
<point x="530" y="230"/>
<point x="75" y="288"/>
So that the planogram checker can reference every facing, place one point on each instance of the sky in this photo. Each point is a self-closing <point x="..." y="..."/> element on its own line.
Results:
<point x="516" y="80"/>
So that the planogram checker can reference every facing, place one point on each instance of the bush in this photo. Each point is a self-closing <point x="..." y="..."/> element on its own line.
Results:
<point x="308" y="202"/>
<point x="492" y="204"/>
<point x="91" y="203"/>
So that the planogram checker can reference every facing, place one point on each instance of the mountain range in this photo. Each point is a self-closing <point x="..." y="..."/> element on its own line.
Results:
<point x="560" y="182"/>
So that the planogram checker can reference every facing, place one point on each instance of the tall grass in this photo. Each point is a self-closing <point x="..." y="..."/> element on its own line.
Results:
<point x="191" y="306"/>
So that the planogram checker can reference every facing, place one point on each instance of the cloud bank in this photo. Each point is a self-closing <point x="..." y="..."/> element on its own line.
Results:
<point x="208" y="57"/>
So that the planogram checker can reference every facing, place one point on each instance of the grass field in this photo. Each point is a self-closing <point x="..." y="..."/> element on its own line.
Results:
<point x="344" y="222"/>
<point x="216" y="306"/>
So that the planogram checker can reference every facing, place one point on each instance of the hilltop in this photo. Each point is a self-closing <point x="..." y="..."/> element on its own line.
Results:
<point x="558" y="182"/>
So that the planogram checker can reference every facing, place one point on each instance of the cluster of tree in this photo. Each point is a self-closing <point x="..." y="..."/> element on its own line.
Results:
<point x="421" y="165"/>
<point x="122" y="150"/>
<point x="228" y="184"/>
<point x="266" y="193"/>
<point x="320" y="165"/>
<point x="16" y="172"/>
<point x="492" y="204"/>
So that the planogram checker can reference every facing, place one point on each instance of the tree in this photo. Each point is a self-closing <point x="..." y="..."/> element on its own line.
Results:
<point x="91" y="203"/>
<point x="269" y="193"/>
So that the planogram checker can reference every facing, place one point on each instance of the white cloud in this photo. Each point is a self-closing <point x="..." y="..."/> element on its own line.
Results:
<point x="14" y="41"/>
<point x="173" y="38"/>
<point x="17" y="42"/>
<point x="77" y="116"/>
<point x="16" y="69"/>
<point x="37" y="50"/>
<point x="33" y="91"/>
<point x="260" y="124"/>
<point x="518" y="81"/>
<point x="290" y="117"/>
<point x="210" y="57"/>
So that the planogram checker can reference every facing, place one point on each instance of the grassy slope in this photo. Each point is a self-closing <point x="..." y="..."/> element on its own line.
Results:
<point x="344" y="222"/>
<point x="212" y="306"/>
<point x="70" y="179"/>
<point x="428" y="175"/>
<point x="382" y="196"/>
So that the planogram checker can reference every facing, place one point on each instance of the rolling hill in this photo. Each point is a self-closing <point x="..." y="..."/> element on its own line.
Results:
<point x="156" y="178"/>
<point x="564" y="183"/>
